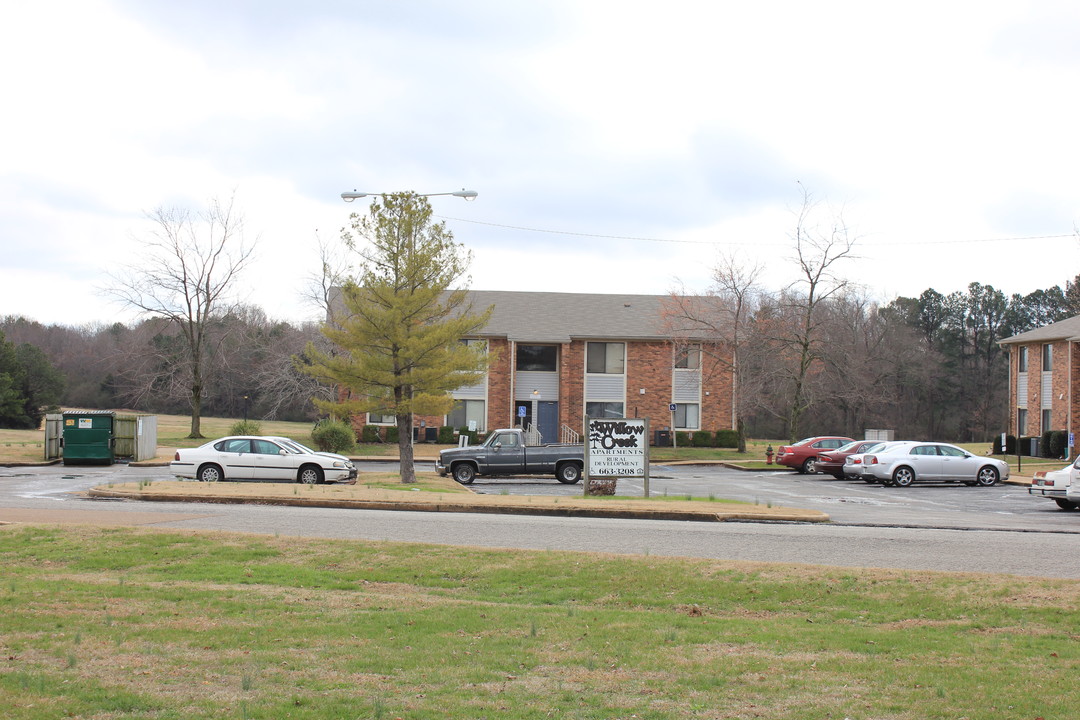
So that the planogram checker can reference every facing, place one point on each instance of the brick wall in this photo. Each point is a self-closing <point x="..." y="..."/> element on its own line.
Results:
<point x="648" y="365"/>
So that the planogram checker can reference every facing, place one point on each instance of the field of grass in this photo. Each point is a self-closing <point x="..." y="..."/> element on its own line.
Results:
<point x="129" y="623"/>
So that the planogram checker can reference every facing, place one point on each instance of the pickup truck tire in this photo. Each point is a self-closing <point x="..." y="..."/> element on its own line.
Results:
<point x="464" y="473"/>
<point x="569" y="473"/>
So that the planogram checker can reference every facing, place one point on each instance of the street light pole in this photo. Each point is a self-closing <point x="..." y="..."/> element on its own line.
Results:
<point x="463" y="193"/>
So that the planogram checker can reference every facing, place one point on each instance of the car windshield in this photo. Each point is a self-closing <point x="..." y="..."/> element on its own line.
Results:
<point x="850" y="447"/>
<point x="295" y="447"/>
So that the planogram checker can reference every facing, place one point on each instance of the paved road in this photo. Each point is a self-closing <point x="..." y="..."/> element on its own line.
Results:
<point x="997" y="529"/>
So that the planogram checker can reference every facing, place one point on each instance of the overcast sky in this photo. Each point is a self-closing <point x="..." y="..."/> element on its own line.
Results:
<point x="616" y="146"/>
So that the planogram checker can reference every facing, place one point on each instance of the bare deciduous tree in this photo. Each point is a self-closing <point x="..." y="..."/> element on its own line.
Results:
<point x="717" y="321"/>
<point x="192" y="261"/>
<point x="818" y="248"/>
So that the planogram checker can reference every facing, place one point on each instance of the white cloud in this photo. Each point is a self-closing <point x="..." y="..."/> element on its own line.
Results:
<point x="936" y="127"/>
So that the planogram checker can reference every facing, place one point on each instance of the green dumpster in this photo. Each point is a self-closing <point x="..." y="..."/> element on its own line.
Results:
<point x="88" y="437"/>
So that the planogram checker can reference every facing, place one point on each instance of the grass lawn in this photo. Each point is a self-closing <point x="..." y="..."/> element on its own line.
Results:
<point x="134" y="623"/>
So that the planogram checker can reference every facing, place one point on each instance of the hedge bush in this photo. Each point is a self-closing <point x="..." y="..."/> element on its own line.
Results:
<point x="684" y="439"/>
<point x="446" y="435"/>
<point x="370" y="434"/>
<point x="392" y="434"/>
<point x="703" y="438"/>
<point x="1010" y="445"/>
<point x="246" y="427"/>
<point x="335" y="436"/>
<point x="727" y="439"/>
<point x="1053" y="443"/>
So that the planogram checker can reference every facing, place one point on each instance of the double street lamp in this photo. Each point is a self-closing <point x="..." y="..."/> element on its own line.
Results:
<point x="467" y="194"/>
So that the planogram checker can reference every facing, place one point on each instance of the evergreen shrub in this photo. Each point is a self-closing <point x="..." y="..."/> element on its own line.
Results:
<point x="245" y="427"/>
<point x="335" y="436"/>
<point x="703" y="438"/>
<point x="727" y="439"/>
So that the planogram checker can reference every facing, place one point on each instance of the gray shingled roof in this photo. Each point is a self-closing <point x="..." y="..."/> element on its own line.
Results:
<point x="1068" y="329"/>
<point x="550" y="317"/>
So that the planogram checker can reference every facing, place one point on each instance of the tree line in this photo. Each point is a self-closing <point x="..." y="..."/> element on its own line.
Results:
<point x="248" y="369"/>
<point x="926" y="367"/>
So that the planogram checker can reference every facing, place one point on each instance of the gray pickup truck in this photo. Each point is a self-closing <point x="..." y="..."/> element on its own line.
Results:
<point x="505" y="453"/>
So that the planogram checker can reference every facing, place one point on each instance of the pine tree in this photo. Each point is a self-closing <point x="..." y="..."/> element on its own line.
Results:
<point x="400" y="323"/>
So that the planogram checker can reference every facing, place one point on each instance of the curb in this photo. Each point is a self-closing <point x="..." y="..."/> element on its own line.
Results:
<point x="565" y="510"/>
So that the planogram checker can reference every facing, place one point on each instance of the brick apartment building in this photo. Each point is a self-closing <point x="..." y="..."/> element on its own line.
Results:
<point x="1044" y="364"/>
<point x="569" y="355"/>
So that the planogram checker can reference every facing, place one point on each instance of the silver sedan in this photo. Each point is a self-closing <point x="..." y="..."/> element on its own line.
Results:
<point x="908" y="462"/>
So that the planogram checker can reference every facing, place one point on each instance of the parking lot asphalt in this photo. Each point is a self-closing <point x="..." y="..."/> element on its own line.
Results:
<point x="382" y="499"/>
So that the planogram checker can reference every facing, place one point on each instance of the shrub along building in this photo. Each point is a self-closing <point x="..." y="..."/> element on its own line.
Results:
<point x="570" y="355"/>
<point x="1044" y="369"/>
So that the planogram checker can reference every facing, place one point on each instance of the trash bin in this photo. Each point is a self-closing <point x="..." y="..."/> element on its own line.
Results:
<point x="662" y="438"/>
<point x="88" y="437"/>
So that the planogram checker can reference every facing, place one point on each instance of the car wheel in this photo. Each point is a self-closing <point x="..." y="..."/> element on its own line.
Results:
<point x="809" y="466"/>
<point x="903" y="476"/>
<point x="310" y="475"/>
<point x="1065" y="504"/>
<point x="568" y="473"/>
<point x="987" y="476"/>
<point x="210" y="473"/>
<point x="464" y="473"/>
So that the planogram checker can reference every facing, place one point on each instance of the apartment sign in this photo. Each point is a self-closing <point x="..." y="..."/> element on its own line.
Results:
<point x="617" y="447"/>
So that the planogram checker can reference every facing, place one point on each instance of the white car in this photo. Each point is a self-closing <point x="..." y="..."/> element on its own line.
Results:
<point x="908" y="462"/>
<point x="1056" y="484"/>
<point x="248" y="457"/>
<point x="853" y="464"/>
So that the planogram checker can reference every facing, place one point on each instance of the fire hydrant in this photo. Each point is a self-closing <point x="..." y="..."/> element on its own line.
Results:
<point x="768" y="455"/>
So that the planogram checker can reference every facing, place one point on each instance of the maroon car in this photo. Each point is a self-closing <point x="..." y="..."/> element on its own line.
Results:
<point x="803" y="455"/>
<point x="831" y="462"/>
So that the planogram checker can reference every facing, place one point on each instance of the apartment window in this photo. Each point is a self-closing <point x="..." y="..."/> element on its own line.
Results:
<point x="379" y="419"/>
<point x="1021" y="363"/>
<point x="467" y="414"/>
<point x="605" y="357"/>
<point x="537" y="358"/>
<point x="1046" y="421"/>
<point x="1021" y="421"/>
<point x="1047" y="353"/>
<point x="687" y="416"/>
<point x="604" y="409"/>
<point x="688" y="358"/>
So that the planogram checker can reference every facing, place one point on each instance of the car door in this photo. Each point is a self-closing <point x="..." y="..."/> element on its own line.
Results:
<point x="957" y="464"/>
<point x="273" y="462"/>
<point x="236" y="459"/>
<point x="926" y="461"/>
<point x="506" y="455"/>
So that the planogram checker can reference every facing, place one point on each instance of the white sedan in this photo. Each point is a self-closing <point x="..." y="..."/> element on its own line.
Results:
<point x="1056" y="485"/>
<point x="261" y="458"/>
<point x="908" y="462"/>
